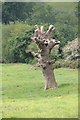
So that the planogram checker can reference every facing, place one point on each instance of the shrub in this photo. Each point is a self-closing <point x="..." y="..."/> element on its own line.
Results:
<point x="70" y="64"/>
<point x="58" y="64"/>
<point x="15" y="39"/>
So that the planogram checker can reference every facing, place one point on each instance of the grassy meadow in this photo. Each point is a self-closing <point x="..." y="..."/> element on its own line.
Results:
<point x="24" y="95"/>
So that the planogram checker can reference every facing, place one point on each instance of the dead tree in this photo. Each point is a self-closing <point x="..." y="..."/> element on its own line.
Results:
<point x="45" y="43"/>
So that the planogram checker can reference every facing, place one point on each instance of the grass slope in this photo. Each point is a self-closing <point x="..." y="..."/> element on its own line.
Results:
<point x="24" y="96"/>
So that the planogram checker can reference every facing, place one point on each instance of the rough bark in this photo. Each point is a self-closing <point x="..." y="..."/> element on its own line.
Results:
<point x="47" y="69"/>
<point x="45" y="44"/>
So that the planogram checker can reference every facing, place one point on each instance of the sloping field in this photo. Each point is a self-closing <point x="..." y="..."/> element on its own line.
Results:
<point x="24" y="96"/>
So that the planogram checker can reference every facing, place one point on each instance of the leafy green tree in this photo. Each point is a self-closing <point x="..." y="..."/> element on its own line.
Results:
<point x="43" y="13"/>
<point x="13" y="11"/>
<point x="12" y="36"/>
<point x="18" y="47"/>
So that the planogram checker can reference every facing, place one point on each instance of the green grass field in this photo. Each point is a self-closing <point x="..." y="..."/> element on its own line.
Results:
<point x="24" y="95"/>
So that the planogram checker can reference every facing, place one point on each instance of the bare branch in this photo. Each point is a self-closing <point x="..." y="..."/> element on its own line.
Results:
<point x="42" y="29"/>
<point x="52" y="43"/>
<point x="36" y="33"/>
<point x="38" y="30"/>
<point x="37" y="27"/>
<point x="37" y="55"/>
<point x="51" y="61"/>
<point x="49" y="32"/>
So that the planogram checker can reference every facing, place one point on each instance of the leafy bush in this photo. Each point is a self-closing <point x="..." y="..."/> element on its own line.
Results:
<point x="58" y="64"/>
<point x="71" y="50"/>
<point x="15" y="40"/>
<point x="69" y="64"/>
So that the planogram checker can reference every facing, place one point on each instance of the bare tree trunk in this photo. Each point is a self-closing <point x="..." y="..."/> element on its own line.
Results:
<point x="49" y="77"/>
<point x="48" y="70"/>
<point x="45" y="44"/>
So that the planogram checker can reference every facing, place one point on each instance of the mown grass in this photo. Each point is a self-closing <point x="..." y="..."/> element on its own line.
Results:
<point x="24" y="96"/>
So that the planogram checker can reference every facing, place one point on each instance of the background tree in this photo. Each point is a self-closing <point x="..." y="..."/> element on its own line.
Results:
<point x="16" y="11"/>
<point x="43" y="13"/>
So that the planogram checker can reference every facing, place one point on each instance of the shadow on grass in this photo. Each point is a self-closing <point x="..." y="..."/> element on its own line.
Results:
<point x="64" y="85"/>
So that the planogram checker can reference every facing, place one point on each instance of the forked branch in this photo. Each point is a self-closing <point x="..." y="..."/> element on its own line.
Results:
<point x="43" y="39"/>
